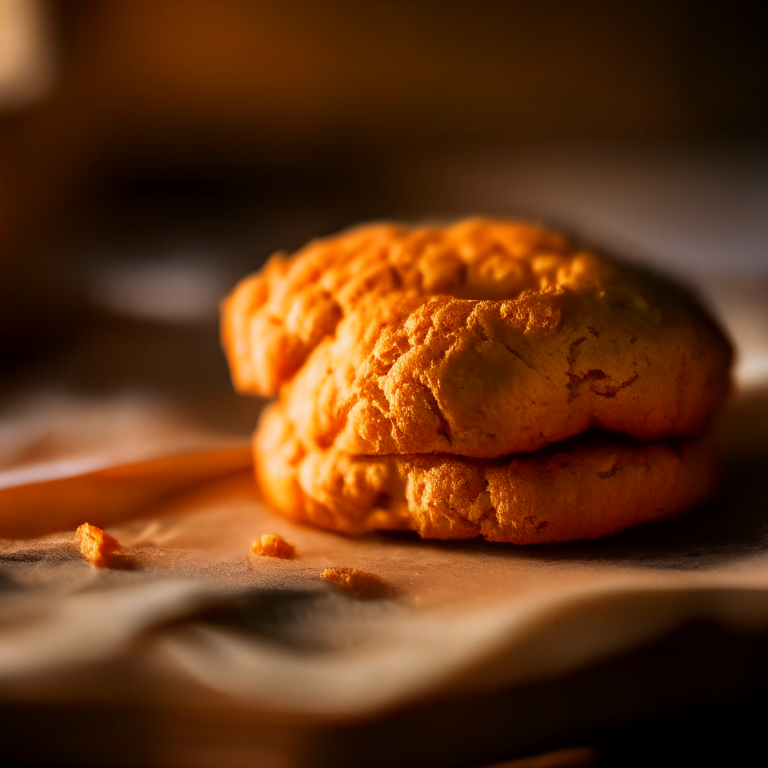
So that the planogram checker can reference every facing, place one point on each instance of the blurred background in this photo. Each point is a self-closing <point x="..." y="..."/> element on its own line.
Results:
<point x="154" y="151"/>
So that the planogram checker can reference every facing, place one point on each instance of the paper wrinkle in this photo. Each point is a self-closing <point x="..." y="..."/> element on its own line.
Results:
<point x="86" y="627"/>
<point x="271" y="635"/>
<point x="510" y="645"/>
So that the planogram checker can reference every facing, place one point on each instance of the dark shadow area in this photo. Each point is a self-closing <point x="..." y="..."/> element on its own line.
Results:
<point x="303" y="621"/>
<point x="270" y="614"/>
<point x="688" y="699"/>
<point x="6" y="584"/>
<point x="695" y="697"/>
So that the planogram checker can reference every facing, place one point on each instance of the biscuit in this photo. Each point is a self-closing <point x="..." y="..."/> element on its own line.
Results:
<point x="480" y="340"/>
<point x="585" y="488"/>
<point x="488" y="379"/>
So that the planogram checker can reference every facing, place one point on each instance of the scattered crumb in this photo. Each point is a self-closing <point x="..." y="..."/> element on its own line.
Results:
<point x="359" y="583"/>
<point x="273" y="545"/>
<point x="98" y="548"/>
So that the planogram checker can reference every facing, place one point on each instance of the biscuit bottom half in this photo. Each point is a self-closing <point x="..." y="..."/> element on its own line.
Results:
<point x="590" y="486"/>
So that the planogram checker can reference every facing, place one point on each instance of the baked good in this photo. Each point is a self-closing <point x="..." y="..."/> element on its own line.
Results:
<point x="360" y="584"/>
<point x="442" y="352"/>
<point x="584" y="488"/>
<point x="273" y="545"/>
<point x="98" y="548"/>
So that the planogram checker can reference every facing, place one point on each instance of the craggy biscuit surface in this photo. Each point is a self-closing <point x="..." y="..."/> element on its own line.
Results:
<point x="488" y="379"/>
<point x="589" y="487"/>
<point x="481" y="339"/>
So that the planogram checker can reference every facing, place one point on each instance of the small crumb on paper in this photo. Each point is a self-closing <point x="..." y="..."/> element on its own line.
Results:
<point x="273" y="545"/>
<point x="358" y="583"/>
<point x="97" y="547"/>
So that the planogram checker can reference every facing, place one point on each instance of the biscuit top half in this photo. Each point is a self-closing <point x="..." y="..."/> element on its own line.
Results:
<point x="275" y="318"/>
<point x="481" y="339"/>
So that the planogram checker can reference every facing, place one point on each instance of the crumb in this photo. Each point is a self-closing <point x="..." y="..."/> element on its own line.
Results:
<point x="273" y="545"/>
<point x="359" y="583"/>
<point x="97" y="547"/>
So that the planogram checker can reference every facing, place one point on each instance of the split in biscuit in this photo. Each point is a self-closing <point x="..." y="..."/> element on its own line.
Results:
<point x="591" y="486"/>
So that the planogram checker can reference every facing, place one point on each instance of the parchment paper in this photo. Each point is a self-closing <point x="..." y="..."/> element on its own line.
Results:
<point x="191" y="618"/>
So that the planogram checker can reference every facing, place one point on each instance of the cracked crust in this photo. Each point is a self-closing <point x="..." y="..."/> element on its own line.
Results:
<point x="591" y="486"/>
<point x="481" y="340"/>
<point x="274" y="319"/>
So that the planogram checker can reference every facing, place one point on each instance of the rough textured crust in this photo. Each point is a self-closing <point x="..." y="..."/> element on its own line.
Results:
<point x="589" y="487"/>
<point x="481" y="340"/>
<point x="360" y="584"/>
<point x="486" y="379"/>
<point x="273" y="545"/>
<point x="98" y="548"/>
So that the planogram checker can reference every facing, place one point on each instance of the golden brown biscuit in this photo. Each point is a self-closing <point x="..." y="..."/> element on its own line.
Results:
<point x="486" y="379"/>
<point x="481" y="339"/>
<point x="589" y="487"/>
